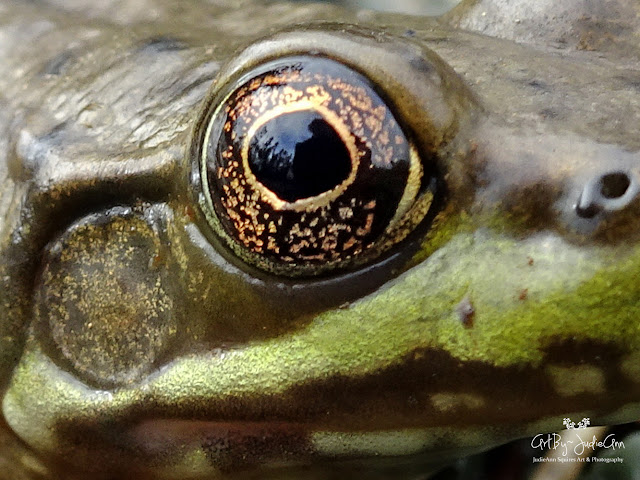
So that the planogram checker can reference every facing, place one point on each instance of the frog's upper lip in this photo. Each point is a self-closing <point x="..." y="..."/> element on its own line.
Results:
<point x="222" y="441"/>
<point x="231" y="445"/>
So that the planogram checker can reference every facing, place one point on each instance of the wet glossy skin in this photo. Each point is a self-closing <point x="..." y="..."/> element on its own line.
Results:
<point x="134" y="344"/>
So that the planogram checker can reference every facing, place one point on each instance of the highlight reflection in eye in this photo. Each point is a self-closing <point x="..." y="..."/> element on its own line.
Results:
<point x="306" y="169"/>
<point x="295" y="162"/>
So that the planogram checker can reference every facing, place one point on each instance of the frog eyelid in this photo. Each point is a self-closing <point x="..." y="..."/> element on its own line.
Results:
<point x="428" y="96"/>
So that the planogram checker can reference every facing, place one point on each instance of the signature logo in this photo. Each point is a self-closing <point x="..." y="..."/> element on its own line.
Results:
<point x="569" y="425"/>
<point x="576" y="444"/>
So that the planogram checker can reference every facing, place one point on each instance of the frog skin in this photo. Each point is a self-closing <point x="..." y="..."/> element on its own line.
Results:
<point x="134" y="343"/>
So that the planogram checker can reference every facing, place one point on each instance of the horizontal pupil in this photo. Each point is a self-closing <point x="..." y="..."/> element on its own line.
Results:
<point x="298" y="155"/>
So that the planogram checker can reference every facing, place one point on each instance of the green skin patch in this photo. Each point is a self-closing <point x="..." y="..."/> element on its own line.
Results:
<point x="572" y="292"/>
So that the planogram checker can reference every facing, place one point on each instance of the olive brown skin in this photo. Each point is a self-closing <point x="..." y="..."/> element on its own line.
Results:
<point x="134" y="343"/>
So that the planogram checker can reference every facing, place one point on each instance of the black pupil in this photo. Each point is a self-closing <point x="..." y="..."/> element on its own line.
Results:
<point x="298" y="155"/>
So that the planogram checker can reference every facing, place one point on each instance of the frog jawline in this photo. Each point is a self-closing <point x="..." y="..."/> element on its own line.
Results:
<point x="222" y="444"/>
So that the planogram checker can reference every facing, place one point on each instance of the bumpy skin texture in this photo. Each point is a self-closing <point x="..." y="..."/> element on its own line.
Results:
<point x="133" y="344"/>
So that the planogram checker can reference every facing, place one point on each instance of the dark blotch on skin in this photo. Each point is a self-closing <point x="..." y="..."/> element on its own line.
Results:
<point x="241" y="445"/>
<point x="635" y="84"/>
<point x="421" y="65"/>
<point x="58" y="64"/>
<point x="162" y="44"/>
<point x="549" y="113"/>
<point x="630" y="81"/>
<point x="531" y="207"/>
<point x="538" y="85"/>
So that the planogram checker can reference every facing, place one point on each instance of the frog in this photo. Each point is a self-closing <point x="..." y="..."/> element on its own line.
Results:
<point x="187" y="293"/>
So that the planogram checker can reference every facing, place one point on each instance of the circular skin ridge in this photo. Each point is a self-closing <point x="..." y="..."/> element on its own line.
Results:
<point x="104" y="298"/>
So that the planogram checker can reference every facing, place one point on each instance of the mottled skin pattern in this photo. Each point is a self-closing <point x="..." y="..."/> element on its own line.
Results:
<point x="134" y="344"/>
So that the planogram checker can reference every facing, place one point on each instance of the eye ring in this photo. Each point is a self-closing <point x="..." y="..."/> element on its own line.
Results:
<point x="317" y="200"/>
<point x="226" y="172"/>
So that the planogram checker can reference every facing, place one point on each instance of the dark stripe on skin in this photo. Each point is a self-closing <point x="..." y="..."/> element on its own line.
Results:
<point x="397" y="397"/>
<point x="632" y="81"/>
<point x="162" y="44"/>
<point x="241" y="447"/>
<point x="513" y="395"/>
<point x="229" y="447"/>
<point x="58" y="64"/>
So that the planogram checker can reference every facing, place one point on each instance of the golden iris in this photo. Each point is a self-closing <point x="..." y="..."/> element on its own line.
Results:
<point x="306" y="168"/>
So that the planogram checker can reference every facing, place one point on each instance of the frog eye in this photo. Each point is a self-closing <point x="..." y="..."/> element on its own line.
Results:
<point x="306" y="169"/>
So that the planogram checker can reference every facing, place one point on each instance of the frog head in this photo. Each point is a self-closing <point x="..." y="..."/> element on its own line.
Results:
<point x="187" y="295"/>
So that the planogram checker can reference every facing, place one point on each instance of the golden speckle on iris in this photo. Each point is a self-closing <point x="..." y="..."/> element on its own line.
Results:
<point x="306" y="168"/>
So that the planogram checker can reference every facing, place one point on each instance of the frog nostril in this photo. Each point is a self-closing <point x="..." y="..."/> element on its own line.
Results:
<point x="614" y="185"/>
<point x="588" y="211"/>
<point x="608" y="192"/>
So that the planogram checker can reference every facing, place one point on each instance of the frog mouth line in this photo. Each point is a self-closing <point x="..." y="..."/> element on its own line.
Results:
<point x="224" y="444"/>
<point x="227" y="445"/>
<point x="203" y="448"/>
